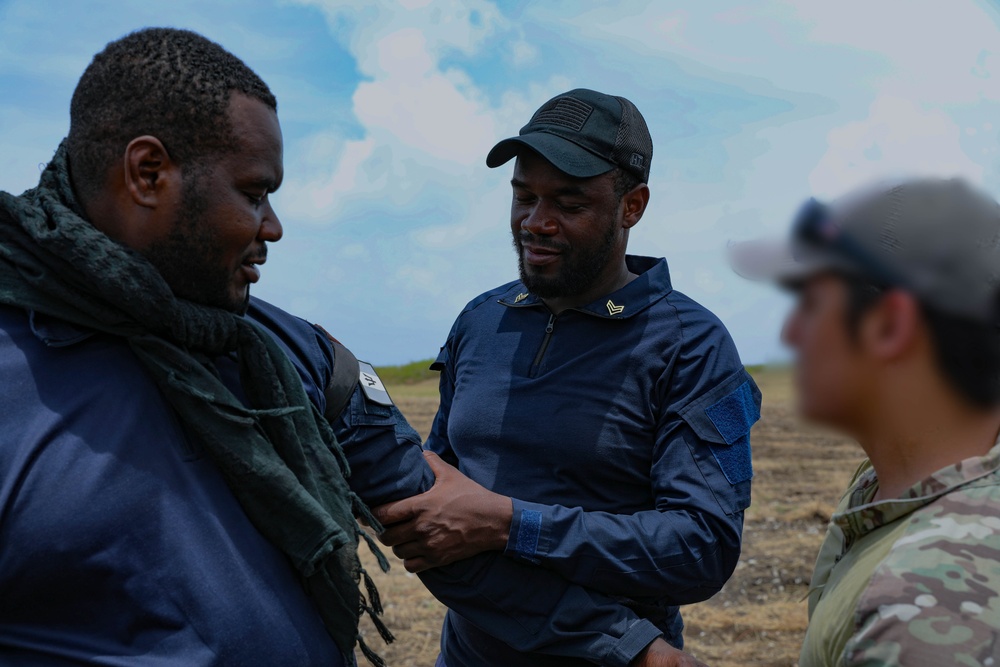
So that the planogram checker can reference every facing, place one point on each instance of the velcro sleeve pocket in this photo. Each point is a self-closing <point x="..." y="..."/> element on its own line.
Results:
<point x="733" y="415"/>
<point x="368" y="413"/>
<point x="721" y="419"/>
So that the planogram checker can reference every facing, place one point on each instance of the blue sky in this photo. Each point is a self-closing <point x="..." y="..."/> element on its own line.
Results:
<point x="393" y="221"/>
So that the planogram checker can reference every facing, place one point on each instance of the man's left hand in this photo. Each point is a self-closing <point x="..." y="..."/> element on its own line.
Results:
<point x="455" y="519"/>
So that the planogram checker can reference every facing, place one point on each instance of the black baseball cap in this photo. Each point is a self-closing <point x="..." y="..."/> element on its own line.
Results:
<point x="936" y="238"/>
<point x="584" y="133"/>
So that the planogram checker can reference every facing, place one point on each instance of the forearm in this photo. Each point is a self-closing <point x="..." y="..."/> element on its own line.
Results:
<point x="383" y="451"/>
<point x="677" y="556"/>
<point x="685" y="549"/>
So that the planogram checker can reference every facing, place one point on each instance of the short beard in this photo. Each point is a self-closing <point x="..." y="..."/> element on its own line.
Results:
<point x="190" y="258"/>
<point x="581" y="270"/>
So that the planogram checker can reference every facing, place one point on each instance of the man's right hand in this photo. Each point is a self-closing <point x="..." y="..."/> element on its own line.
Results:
<point x="662" y="654"/>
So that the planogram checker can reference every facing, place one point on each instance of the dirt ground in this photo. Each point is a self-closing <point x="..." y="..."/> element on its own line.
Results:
<point x="759" y="618"/>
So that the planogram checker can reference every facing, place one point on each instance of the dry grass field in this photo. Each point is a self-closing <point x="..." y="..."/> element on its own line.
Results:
<point x="760" y="616"/>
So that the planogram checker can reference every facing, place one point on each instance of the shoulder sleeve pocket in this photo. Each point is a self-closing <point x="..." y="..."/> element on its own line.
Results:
<point x="441" y="360"/>
<point x="369" y="413"/>
<point x="721" y="419"/>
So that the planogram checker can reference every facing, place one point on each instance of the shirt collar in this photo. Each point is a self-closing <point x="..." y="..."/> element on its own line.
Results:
<point x="651" y="284"/>
<point x="862" y="516"/>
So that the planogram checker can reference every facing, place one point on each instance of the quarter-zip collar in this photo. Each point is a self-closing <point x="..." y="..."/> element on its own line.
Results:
<point x="651" y="284"/>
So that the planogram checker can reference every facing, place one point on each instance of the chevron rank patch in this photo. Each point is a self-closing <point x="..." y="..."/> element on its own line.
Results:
<point x="372" y="385"/>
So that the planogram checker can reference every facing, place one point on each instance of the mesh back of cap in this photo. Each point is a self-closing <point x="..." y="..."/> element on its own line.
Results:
<point x="889" y="235"/>
<point x="633" y="149"/>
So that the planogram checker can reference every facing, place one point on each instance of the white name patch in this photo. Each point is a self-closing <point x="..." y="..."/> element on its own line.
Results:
<point x="372" y="385"/>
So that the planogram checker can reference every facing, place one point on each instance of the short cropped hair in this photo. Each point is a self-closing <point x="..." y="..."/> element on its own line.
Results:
<point x="623" y="182"/>
<point x="172" y="84"/>
<point x="967" y="352"/>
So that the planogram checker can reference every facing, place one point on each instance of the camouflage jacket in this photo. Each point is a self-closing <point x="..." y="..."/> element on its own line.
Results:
<point x="911" y="581"/>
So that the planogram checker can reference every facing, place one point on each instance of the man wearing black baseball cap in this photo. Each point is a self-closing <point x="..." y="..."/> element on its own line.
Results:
<point x="601" y="419"/>
<point x="896" y="341"/>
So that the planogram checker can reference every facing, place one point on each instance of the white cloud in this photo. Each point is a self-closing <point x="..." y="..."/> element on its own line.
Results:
<point x="421" y="122"/>
<point x="522" y="53"/>
<point x="439" y="113"/>
<point x="445" y="24"/>
<point x="413" y="190"/>
<point x="898" y="138"/>
<point x="427" y="127"/>
<point x="323" y="179"/>
<point x="934" y="51"/>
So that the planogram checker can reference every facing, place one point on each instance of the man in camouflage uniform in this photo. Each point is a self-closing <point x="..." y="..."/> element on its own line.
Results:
<point x="896" y="332"/>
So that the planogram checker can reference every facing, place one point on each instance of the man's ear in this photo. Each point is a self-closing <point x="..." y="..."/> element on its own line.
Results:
<point x="149" y="171"/>
<point x="634" y="205"/>
<point x="893" y="326"/>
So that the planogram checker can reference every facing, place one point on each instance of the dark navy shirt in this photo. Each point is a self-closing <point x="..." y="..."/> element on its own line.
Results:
<point x="621" y="431"/>
<point x="120" y="542"/>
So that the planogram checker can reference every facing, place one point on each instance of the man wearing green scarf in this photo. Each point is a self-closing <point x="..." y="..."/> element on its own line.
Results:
<point x="171" y="492"/>
<point x="149" y="425"/>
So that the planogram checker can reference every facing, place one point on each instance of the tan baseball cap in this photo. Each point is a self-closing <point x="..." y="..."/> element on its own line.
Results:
<point x="937" y="238"/>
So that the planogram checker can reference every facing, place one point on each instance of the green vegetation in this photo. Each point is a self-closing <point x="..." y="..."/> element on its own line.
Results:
<point x="754" y="369"/>
<point x="411" y="373"/>
<point x="419" y="371"/>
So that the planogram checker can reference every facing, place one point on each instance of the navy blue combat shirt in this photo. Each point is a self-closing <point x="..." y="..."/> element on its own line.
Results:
<point x="621" y="431"/>
<point x="120" y="543"/>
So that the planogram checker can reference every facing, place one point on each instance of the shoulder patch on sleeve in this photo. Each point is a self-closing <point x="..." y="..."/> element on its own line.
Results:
<point x="372" y="385"/>
<point x="733" y="416"/>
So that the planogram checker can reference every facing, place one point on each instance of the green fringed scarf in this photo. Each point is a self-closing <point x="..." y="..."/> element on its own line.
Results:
<point x="280" y="458"/>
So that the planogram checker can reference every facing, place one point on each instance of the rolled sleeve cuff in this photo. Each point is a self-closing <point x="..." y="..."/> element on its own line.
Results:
<point x="530" y="528"/>
<point x="636" y="638"/>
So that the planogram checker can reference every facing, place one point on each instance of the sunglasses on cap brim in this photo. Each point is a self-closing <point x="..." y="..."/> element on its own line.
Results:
<point x="815" y="226"/>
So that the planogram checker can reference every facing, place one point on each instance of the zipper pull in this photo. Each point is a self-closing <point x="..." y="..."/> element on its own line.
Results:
<point x="548" y="327"/>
